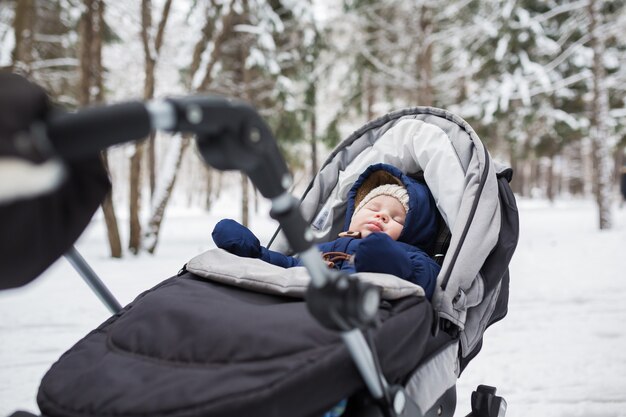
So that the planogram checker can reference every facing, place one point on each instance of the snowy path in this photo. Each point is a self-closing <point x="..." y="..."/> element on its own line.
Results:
<point x="561" y="351"/>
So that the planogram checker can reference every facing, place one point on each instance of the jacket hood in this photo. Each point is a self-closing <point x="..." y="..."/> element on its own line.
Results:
<point x="420" y="226"/>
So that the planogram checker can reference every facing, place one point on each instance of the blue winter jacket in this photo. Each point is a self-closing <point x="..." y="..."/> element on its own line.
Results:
<point x="404" y="258"/>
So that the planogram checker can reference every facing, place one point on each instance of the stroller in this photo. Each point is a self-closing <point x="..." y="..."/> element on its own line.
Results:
<point x="230" y="336"/>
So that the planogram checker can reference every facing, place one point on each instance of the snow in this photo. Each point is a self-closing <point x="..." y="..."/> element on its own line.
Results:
<point x="561" y="351"/>
<point x="7" y="43"/>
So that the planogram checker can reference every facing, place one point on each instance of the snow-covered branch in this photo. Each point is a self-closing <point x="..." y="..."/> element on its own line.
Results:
<point x="560" y="9"/>
<point x="53" y="63"/>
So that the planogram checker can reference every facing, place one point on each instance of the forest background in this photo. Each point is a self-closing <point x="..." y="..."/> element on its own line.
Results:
<point x="542" y="83"/>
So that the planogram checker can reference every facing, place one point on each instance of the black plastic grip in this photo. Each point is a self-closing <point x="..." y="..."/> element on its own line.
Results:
<point x="294" y="226"/>
<point x="87" y="132"/>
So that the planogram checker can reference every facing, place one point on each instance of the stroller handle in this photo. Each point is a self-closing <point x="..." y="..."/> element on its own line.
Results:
<point x="85" y="133"/>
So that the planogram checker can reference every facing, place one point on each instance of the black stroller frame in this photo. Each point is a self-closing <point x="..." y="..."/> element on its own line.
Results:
<point x="232" y="136"/>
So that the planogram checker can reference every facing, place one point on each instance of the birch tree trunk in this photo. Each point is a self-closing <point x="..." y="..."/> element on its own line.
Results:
<point x="163" y="192"/>
<point x="599" y="130"/>
<point x="573" y="174"/>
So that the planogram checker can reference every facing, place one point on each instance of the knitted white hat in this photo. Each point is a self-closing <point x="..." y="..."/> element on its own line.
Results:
<point x="396" y="191"/>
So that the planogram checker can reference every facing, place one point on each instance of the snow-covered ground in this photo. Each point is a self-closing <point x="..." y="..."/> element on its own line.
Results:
<point x="561" y="351"/>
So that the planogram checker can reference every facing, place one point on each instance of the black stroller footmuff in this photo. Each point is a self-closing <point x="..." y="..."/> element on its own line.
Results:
<point x="192" y="347"/>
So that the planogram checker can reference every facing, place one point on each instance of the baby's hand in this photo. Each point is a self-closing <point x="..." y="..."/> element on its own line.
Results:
<point x="236" y="239"/>
<point x="380" y="253"/>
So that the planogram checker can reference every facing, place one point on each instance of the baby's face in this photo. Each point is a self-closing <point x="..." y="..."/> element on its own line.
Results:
<point x="382" y="214"/>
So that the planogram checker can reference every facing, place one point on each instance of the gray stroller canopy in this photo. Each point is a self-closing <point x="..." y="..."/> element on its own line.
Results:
<point x="464" y="182"/>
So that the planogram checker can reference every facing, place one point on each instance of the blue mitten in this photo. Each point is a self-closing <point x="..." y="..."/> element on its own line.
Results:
<point x="380" y="253"/>
<point x="236" y="239"/>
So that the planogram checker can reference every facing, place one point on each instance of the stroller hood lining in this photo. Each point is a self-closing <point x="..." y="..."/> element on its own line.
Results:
<point x="410" y="145"/>
<point x="254" y="274"/>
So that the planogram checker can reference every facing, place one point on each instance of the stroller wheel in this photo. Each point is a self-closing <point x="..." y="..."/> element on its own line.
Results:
<point x="485" y="403"/>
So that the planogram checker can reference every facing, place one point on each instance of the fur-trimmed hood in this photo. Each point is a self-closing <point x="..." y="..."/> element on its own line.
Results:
<point x="420" y="226"/>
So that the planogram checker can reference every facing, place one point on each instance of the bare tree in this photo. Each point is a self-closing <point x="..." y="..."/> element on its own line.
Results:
<point x="91" y="90"/>
<point x="238" y="42"/>
<point x="24" y="29"/>
<point x="152" y="48"/>
<point x="216" y="31"/>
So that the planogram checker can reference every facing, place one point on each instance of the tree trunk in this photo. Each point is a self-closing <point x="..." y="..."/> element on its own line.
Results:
<point x="550" y="186"/>
<point x="152" y="162"/>
<point x="91" y="31"/>
<point x="245" y="209"/>
<point x="517" y="184"/>
<point x="370" y="95"/>
<point x="246" y="80"/>
<point x="620" y="164"/>
<point x="161" y="198"/>
<point x="573" y="174"/>
<point x="218" y="187"/>
<point x="533" y="180"/>
<point x="162" y="195"/>
<point x="148" y="93"/>
<point x="113" y="234"/>
<point x="208" y="201"/>
<point x="313" y="130"/>
<point x="255" y="194"/>
<point x="110" y="219"/>
<point x="85" y="53"/>
<point x="425" y="59"/>
<point x="599" y="130"/>
<point x="151" y="62"/>
<point x="228" y="22"/>
<point x="134" y="240"/>
<point x="213" y="180"/>
<point x="99" y="27"/>
<point x="24" y="30"/>
<point x="151" y="49"/>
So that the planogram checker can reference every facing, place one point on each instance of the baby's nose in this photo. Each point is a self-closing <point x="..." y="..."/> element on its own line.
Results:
<point x="382" y="215"/>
